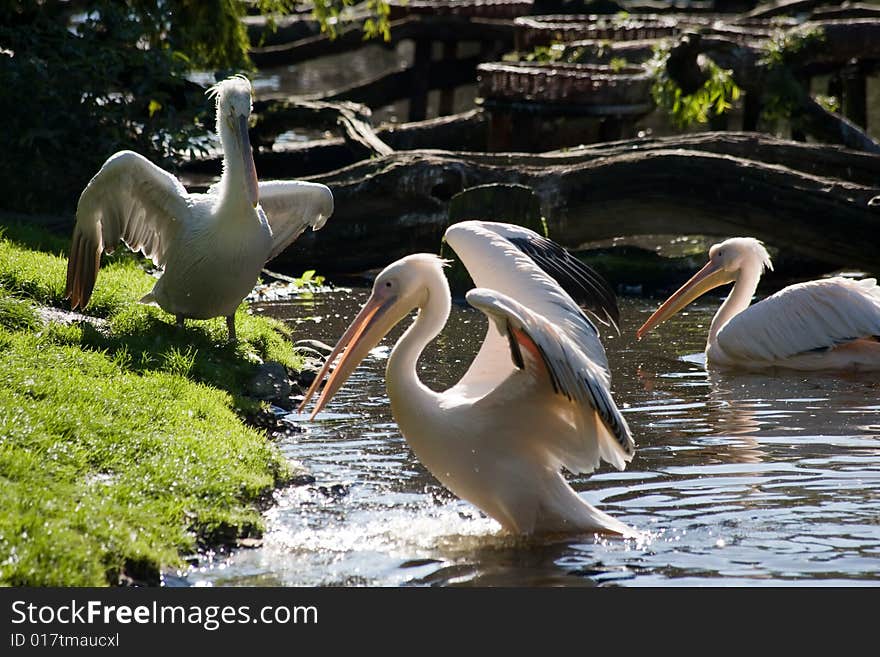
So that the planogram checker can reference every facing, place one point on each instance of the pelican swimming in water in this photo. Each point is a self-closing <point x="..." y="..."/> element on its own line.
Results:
<point x="828" y="324"/>
<point x="211" y="246"/>
<point x="536" y="397"/>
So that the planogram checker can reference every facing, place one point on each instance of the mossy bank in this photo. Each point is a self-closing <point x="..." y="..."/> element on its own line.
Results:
<point x="122" y="443"/>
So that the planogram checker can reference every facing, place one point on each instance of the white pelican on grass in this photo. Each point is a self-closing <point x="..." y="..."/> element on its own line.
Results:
<point x="536" y="397"/>
<point x="211" y="246"/>
<point x="828" y="324"/>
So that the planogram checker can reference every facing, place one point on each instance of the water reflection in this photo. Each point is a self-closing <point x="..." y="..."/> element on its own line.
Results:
<point x="739" y="478"/>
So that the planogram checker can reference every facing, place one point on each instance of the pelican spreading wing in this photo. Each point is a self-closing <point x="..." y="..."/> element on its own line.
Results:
<point x="536" y="397"/>
<point x="211" y="246"/>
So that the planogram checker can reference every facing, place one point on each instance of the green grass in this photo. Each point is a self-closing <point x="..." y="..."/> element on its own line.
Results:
<point x="143" y="336"/>
<point x="122" y="448"/>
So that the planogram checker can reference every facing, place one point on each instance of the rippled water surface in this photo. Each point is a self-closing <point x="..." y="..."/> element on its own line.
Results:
<point x="740" y="479"/>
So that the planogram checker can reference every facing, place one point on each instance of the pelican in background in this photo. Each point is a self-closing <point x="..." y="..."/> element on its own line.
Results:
<point x="828" y="324"/>
<point x="211" y="246"/>
<point x="536" y="397"/>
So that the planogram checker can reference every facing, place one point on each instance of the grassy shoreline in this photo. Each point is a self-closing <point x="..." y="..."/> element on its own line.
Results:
<point x="122" y="440"/>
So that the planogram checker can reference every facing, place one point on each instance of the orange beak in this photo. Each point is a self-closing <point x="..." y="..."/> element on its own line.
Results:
<point x="365" y="332"/>
<point x="250" y="168"/>
<point x="709" y="277"/>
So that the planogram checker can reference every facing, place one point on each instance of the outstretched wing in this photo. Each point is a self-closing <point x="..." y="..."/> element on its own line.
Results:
<point x="293" y="206"/>
<point x="584" y="285"/>
<point x="804" y="317"/>
<point x="129" y="199"/>
<point x="556" y="362"/>
<point x="495" y="256"/>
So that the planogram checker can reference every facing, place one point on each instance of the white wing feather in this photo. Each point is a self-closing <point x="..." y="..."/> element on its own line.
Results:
<point x="573" y="375"/>
<point x="129" y="199"/>
<point x="133" y="200"/>
<point x="293" y="206"/>
<point x="802" y="318"/>
<point x="495" y="263"/>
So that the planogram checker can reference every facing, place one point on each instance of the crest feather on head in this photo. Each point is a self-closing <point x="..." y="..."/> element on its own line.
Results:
<point x="230" y="83"/>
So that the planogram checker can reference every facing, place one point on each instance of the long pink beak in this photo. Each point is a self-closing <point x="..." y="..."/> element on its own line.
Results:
<point x="364" y="333"/>
<point x="250" y="168"/>
<point x="709" y="277"/>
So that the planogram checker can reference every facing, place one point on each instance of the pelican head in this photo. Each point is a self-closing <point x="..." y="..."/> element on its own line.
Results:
<point x="726" y="262"/>
<point x="397" y="290"/>
<point x="234" y="103"/>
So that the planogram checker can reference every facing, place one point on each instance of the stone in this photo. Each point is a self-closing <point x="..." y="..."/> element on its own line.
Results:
<point x="270" y="382"/>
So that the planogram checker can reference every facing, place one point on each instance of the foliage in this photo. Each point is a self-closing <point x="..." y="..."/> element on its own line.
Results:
<point x="119" y="451"/>
<point x="783" y="93"/>
<point x="829" y="103"/>
<point x="546" y="54"/>
<point x="77" y="88"/>
<point x="74" y="94"/>
<point x="785" y="46"/>
<point x="568" y="54"/>
<point x="555" y="52"/>
<point x="329" y="12"/>
<point x="617" y="64"/>
<point x="715" y="96"/>
<point x="309" y="280"/>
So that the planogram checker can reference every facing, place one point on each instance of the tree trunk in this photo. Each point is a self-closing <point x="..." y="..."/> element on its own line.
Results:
<point x="708" y="185"/>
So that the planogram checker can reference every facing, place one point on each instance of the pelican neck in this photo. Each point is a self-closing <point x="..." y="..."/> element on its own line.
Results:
<point x="401" y="374"/>
<point x="739" y="299"/>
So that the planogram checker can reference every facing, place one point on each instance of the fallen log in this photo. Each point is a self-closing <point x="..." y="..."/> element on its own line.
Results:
<point x="461" y="132"/>
<point x="275" y="117"/>
<point x="847" y="10"/>
<point x="398" y="204"/>
<point x="315" y="158"/>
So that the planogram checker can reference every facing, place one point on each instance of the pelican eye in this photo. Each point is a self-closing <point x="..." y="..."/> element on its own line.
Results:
<point x="387" y="283"/>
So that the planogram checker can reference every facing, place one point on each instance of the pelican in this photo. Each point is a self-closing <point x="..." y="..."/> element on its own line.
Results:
<point x="211" y="246"/>
<point x="535" y="398"/>
<point x="827" y="324"/>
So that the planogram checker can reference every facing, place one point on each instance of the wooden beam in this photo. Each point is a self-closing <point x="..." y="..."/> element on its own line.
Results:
<point x="351" y="37"/>
<point x="390" y="87"/>
<point x="419" y="80"/>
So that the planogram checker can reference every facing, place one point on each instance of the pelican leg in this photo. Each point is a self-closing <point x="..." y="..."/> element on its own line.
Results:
<point x="230" y="324"/>
<point x="180" y="321"/>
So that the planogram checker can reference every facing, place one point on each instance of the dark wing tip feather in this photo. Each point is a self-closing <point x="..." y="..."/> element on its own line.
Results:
<point x="515" y="352"/>
<point x="611" y="418"/>
<point x="599" y="399"/>
<point x="581" y="281"/>
<point x="82" y="271"/>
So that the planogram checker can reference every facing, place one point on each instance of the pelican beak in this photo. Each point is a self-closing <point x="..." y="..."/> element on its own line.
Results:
<point x="709" y="277"/>
<point x="372" y="323"/>
<point x="247" y="154"/>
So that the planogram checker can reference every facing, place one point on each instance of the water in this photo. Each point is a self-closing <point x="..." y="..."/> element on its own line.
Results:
<point x="739" y="479"/>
